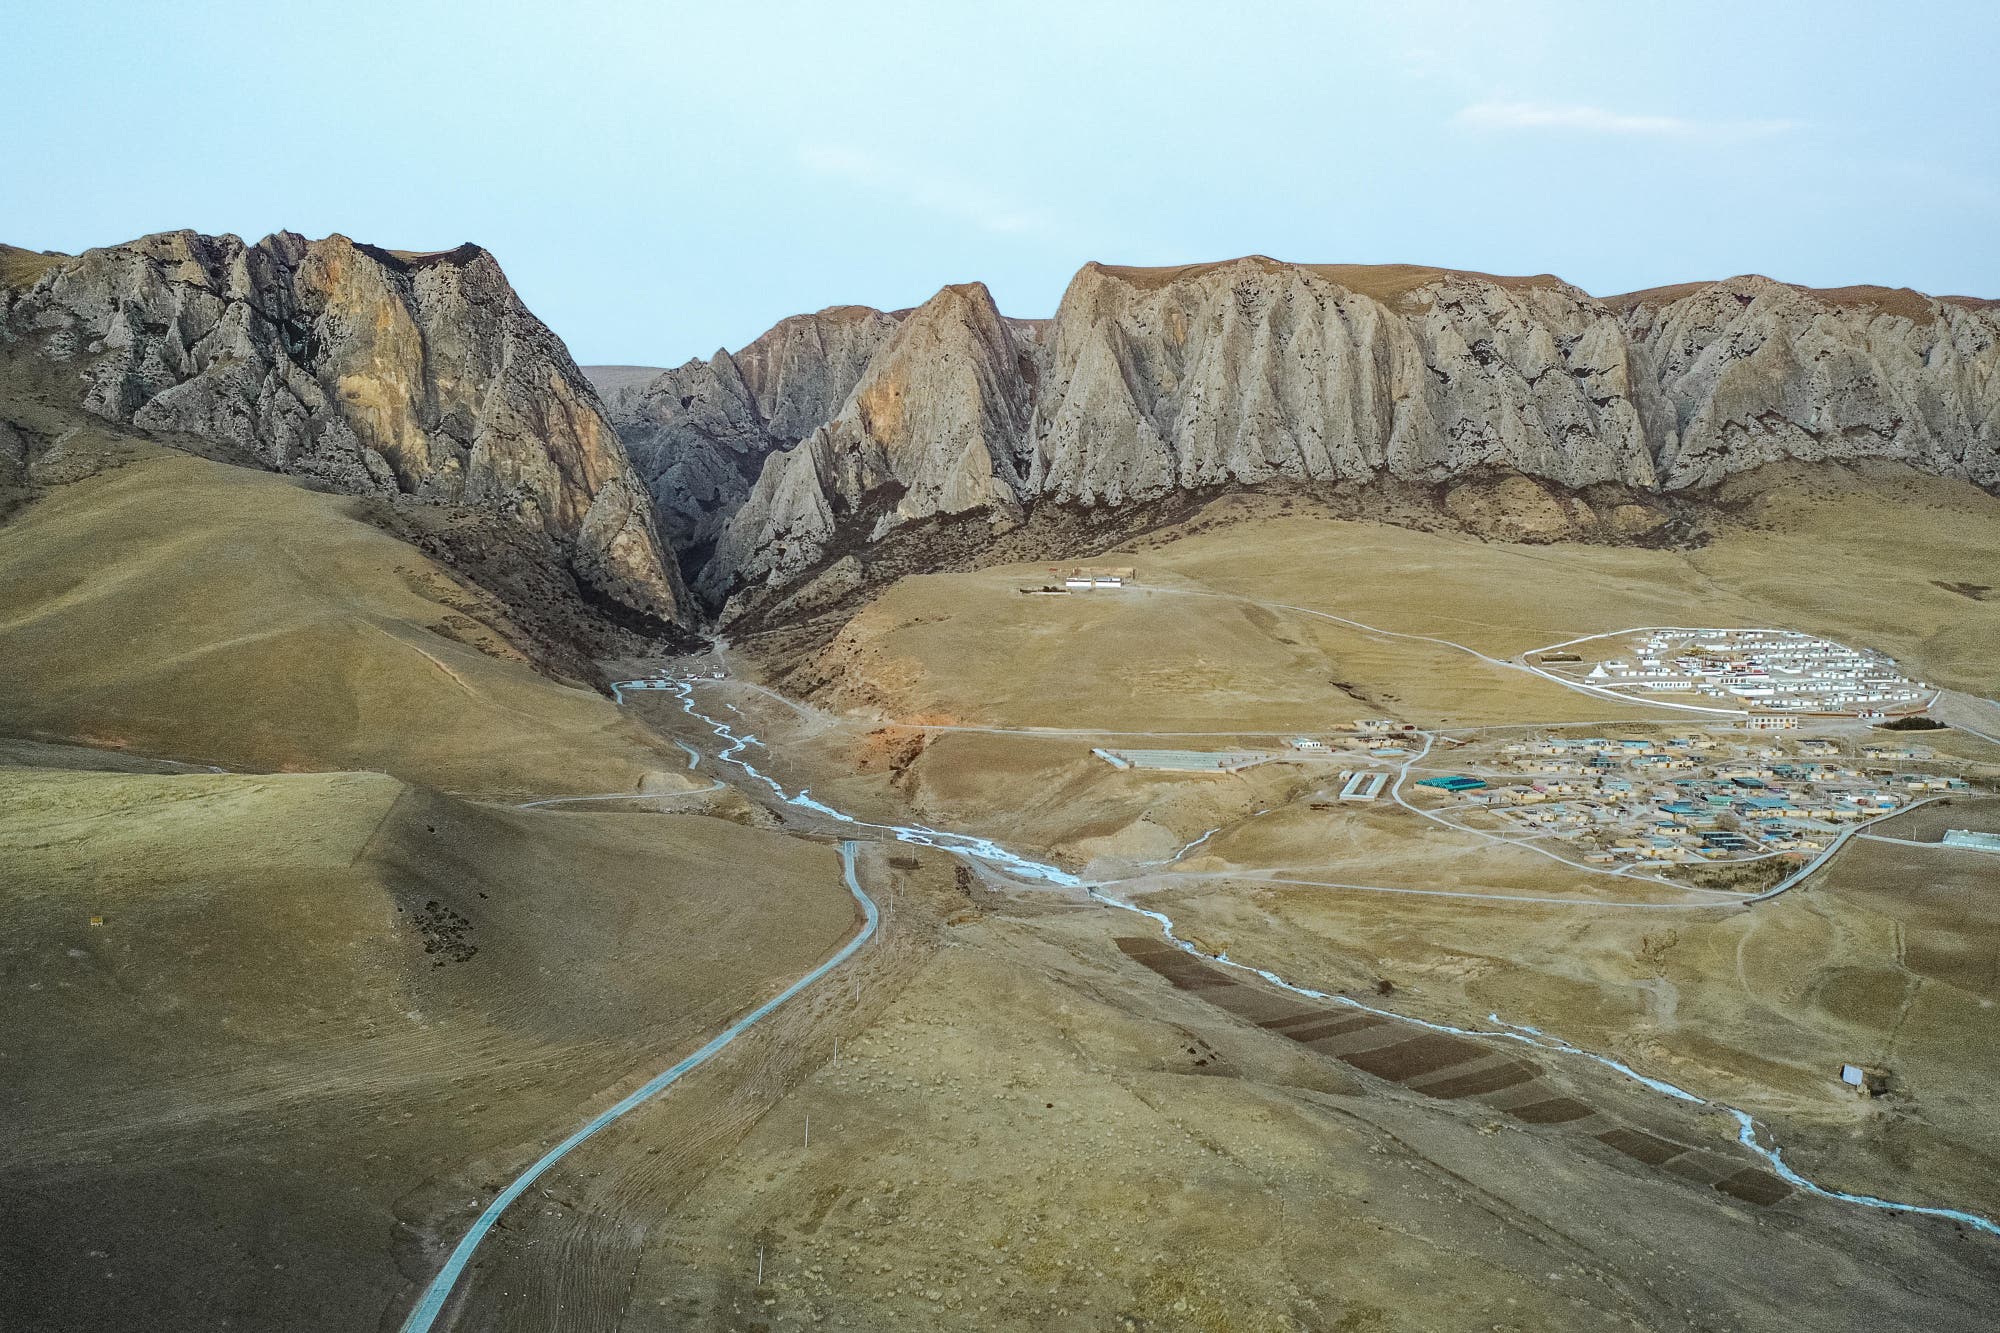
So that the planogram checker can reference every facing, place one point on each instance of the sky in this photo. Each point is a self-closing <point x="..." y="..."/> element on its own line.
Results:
<point x="661" y="179"/>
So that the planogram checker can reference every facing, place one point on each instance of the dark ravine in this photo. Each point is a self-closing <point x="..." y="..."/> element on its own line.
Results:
<point x="1529" y="409"/>
<point x="560" y="625"/>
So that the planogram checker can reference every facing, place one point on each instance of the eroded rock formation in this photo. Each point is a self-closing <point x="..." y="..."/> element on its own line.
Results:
<point x="1751" y="371"/>
<point x="934" y="426"/>
<point x="1154" y="381"/>
<point x="372" y="371"/>
<point x="699" y="434"/>
<point x="1255" y="370"/>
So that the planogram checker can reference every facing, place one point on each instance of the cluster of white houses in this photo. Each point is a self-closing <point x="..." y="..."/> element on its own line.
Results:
<point x="1773" y="672"/>
<point x="1691" y="798"/>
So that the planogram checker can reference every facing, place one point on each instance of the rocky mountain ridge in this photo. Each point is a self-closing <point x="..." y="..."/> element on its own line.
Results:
<point x="699" y="434"/>
<point x="1152" y="382"/>
<point x="374" y="372"/>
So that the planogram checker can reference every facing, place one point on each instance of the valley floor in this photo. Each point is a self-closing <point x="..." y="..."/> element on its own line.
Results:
<point x="1147" y="1141"/>
<point x="323" y="1018"/>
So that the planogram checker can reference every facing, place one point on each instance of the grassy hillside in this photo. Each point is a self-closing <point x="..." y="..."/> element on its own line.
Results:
<point x="1886" y="559"/>
<point x="320" y="1007"/>
<point x="189" y="609"/>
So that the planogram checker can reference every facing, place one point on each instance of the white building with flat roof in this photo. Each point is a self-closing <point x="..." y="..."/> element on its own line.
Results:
<point x="1363" y="786"/>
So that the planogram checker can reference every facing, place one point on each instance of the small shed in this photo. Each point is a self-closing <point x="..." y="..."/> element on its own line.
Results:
<point x="1866" y="1080"/>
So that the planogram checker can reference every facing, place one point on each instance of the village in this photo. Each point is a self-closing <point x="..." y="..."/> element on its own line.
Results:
<point x="1760" y="787"/>
<point x="1696" y="797"/>
<point x="1779" y="674"/>
<point x="1693" y="797"/>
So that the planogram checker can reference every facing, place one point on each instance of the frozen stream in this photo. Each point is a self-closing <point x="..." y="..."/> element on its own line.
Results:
<point x="993" y="854"/>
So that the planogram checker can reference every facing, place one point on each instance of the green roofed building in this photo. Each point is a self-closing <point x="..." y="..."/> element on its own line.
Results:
<point x="1457" y="782"/>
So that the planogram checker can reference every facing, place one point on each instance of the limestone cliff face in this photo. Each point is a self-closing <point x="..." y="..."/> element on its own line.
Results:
<point x="801" y="372"/>
<point x="699" y="434"/>
<point x="934" y="426"/>
<point x="1752" y="371"/>
<point x="1151" y="381"/>
<point x="373" y="371"/>
<point x="1254" y="370"/>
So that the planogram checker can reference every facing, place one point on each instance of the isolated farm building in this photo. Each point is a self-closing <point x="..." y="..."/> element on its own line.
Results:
<point x="1185" y="761"/>
<point x="1866" y="1080"/>
<point x="1096" y="576"/>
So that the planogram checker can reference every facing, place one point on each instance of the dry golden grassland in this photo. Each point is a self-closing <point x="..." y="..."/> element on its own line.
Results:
<point x="1891" y="957"/>
<point x="1864" y="560"/>
<point x="192" y="610"/>
<point x="323" y="1011"/>
<point x="1036" y="1133"/>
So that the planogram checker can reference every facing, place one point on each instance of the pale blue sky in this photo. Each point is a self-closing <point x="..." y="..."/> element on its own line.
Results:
<point x="662" y="179"/>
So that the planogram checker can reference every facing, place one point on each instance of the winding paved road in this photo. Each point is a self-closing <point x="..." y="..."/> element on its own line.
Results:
<point x="424" y="1314"/>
